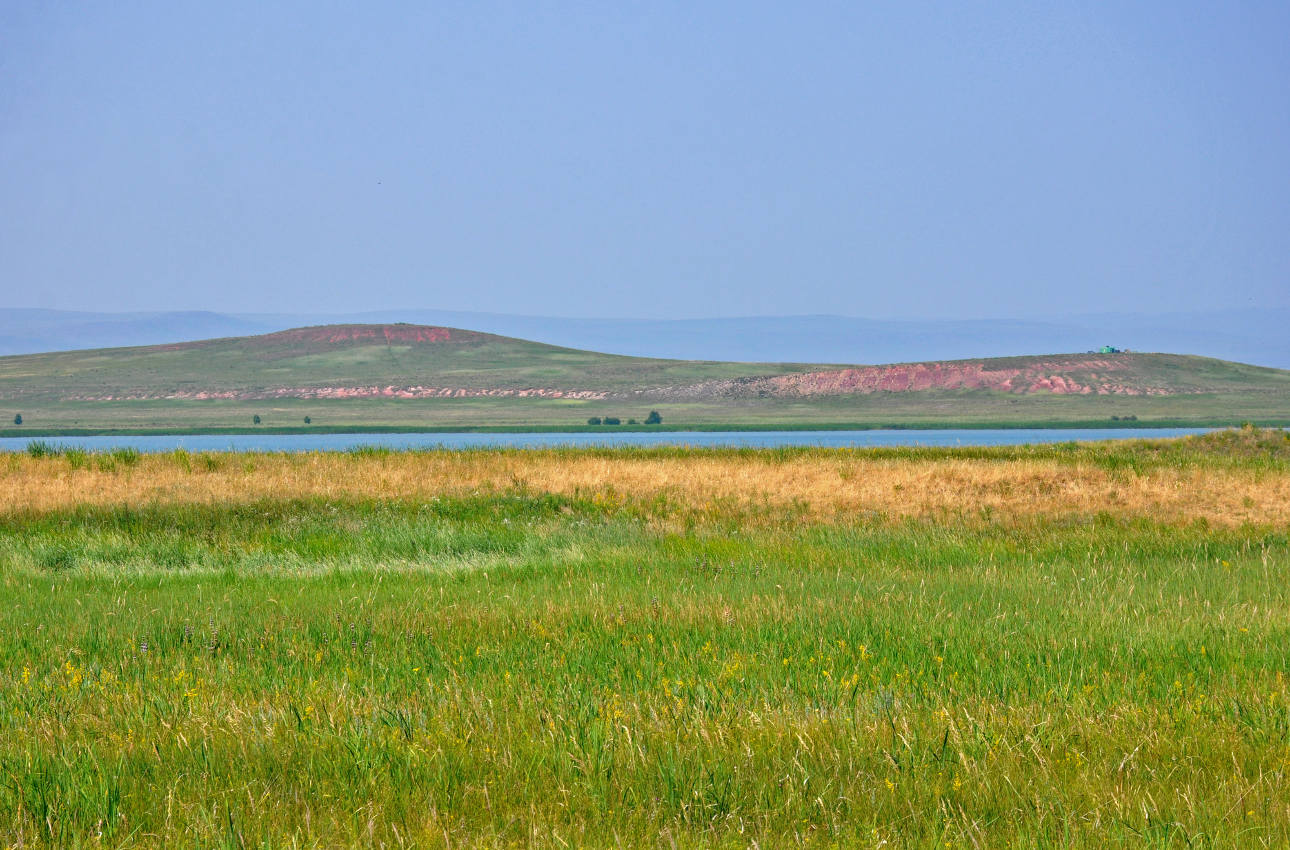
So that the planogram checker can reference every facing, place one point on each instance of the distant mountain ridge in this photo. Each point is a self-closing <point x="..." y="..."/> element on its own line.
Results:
<point x="1248" y="336"/>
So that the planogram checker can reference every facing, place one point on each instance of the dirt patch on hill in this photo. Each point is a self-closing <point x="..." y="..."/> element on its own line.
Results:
<point x="390" y="334"/>
<point x="297" y="341"/>
<point x="347" y="392"/>
<point x="1060" y="377"/>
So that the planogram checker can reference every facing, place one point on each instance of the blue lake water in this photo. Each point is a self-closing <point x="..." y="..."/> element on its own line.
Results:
<point x="751" y="439"/>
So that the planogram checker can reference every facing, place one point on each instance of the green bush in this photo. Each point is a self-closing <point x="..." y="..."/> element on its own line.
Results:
<point x="371" y="451"/>
<point x="40" y="448"/>
<point x="126" y="456"/>
<point x="77" y="458"/>
<point x="654" y="418"/>
<point x="595" y="420"/>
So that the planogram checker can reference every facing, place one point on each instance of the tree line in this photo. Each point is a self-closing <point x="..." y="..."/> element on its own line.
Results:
<point x="654" y="418"/>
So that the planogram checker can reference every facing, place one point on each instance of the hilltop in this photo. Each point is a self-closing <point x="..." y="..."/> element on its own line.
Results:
<point x="423" y="375"/>
<point x="1246" y="335"/>
<point x="351" y="361"/>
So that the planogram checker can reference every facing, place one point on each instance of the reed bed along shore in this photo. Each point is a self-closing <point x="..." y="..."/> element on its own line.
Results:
<point x="640" y="649"/>
<point x="1227" y="479"/>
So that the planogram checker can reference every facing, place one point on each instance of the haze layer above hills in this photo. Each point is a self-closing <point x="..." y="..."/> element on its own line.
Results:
<point x="1247" y="336"/>
<point x="403" y="375"/>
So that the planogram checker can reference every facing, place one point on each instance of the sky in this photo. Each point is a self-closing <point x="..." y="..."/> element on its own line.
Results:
<point x="661" y="160"/>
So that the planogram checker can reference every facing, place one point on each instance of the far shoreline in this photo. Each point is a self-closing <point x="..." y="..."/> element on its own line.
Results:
<point x="978" y="425"/>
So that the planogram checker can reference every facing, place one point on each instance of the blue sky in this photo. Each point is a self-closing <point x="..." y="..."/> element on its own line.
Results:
<point x="654" y="159"/>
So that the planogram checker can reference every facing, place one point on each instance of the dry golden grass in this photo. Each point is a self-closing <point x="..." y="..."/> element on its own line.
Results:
<point x="824" y="484"/>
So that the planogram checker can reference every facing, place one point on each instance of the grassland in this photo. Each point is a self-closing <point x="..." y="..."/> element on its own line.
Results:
<point x="218" y="385"/>
<point x="1070" y="645"/>
<point x="310" y="357"/>
<point x="885" y="410"/>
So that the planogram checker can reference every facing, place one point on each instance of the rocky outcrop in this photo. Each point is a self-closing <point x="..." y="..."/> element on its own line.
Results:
<point x="1081" y="377"/>
<point x="349" y="392"/>
<point x="327" y="337"/>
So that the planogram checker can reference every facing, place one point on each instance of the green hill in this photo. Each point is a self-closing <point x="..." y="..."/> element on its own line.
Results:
<point x="343" y="356"/>
<point x="420" y="377"/>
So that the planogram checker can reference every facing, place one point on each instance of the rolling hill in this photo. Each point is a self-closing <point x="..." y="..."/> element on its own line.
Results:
<point x="1247" y="335"/>
<point x="402" y="375"/>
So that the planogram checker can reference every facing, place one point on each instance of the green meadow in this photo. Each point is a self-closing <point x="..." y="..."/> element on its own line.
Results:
<point x="931" y="409"/>
<point x="513" y="667"/>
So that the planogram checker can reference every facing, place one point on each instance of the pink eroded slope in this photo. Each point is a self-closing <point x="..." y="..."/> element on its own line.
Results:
<point x="1054" y="377"/>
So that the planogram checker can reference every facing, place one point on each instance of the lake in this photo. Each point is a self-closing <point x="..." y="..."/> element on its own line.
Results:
<point x="751" y="439"/>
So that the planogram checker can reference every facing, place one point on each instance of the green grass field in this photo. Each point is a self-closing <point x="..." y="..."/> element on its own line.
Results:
<point x="925" y="410"/>
<point x="526" y="665"/>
